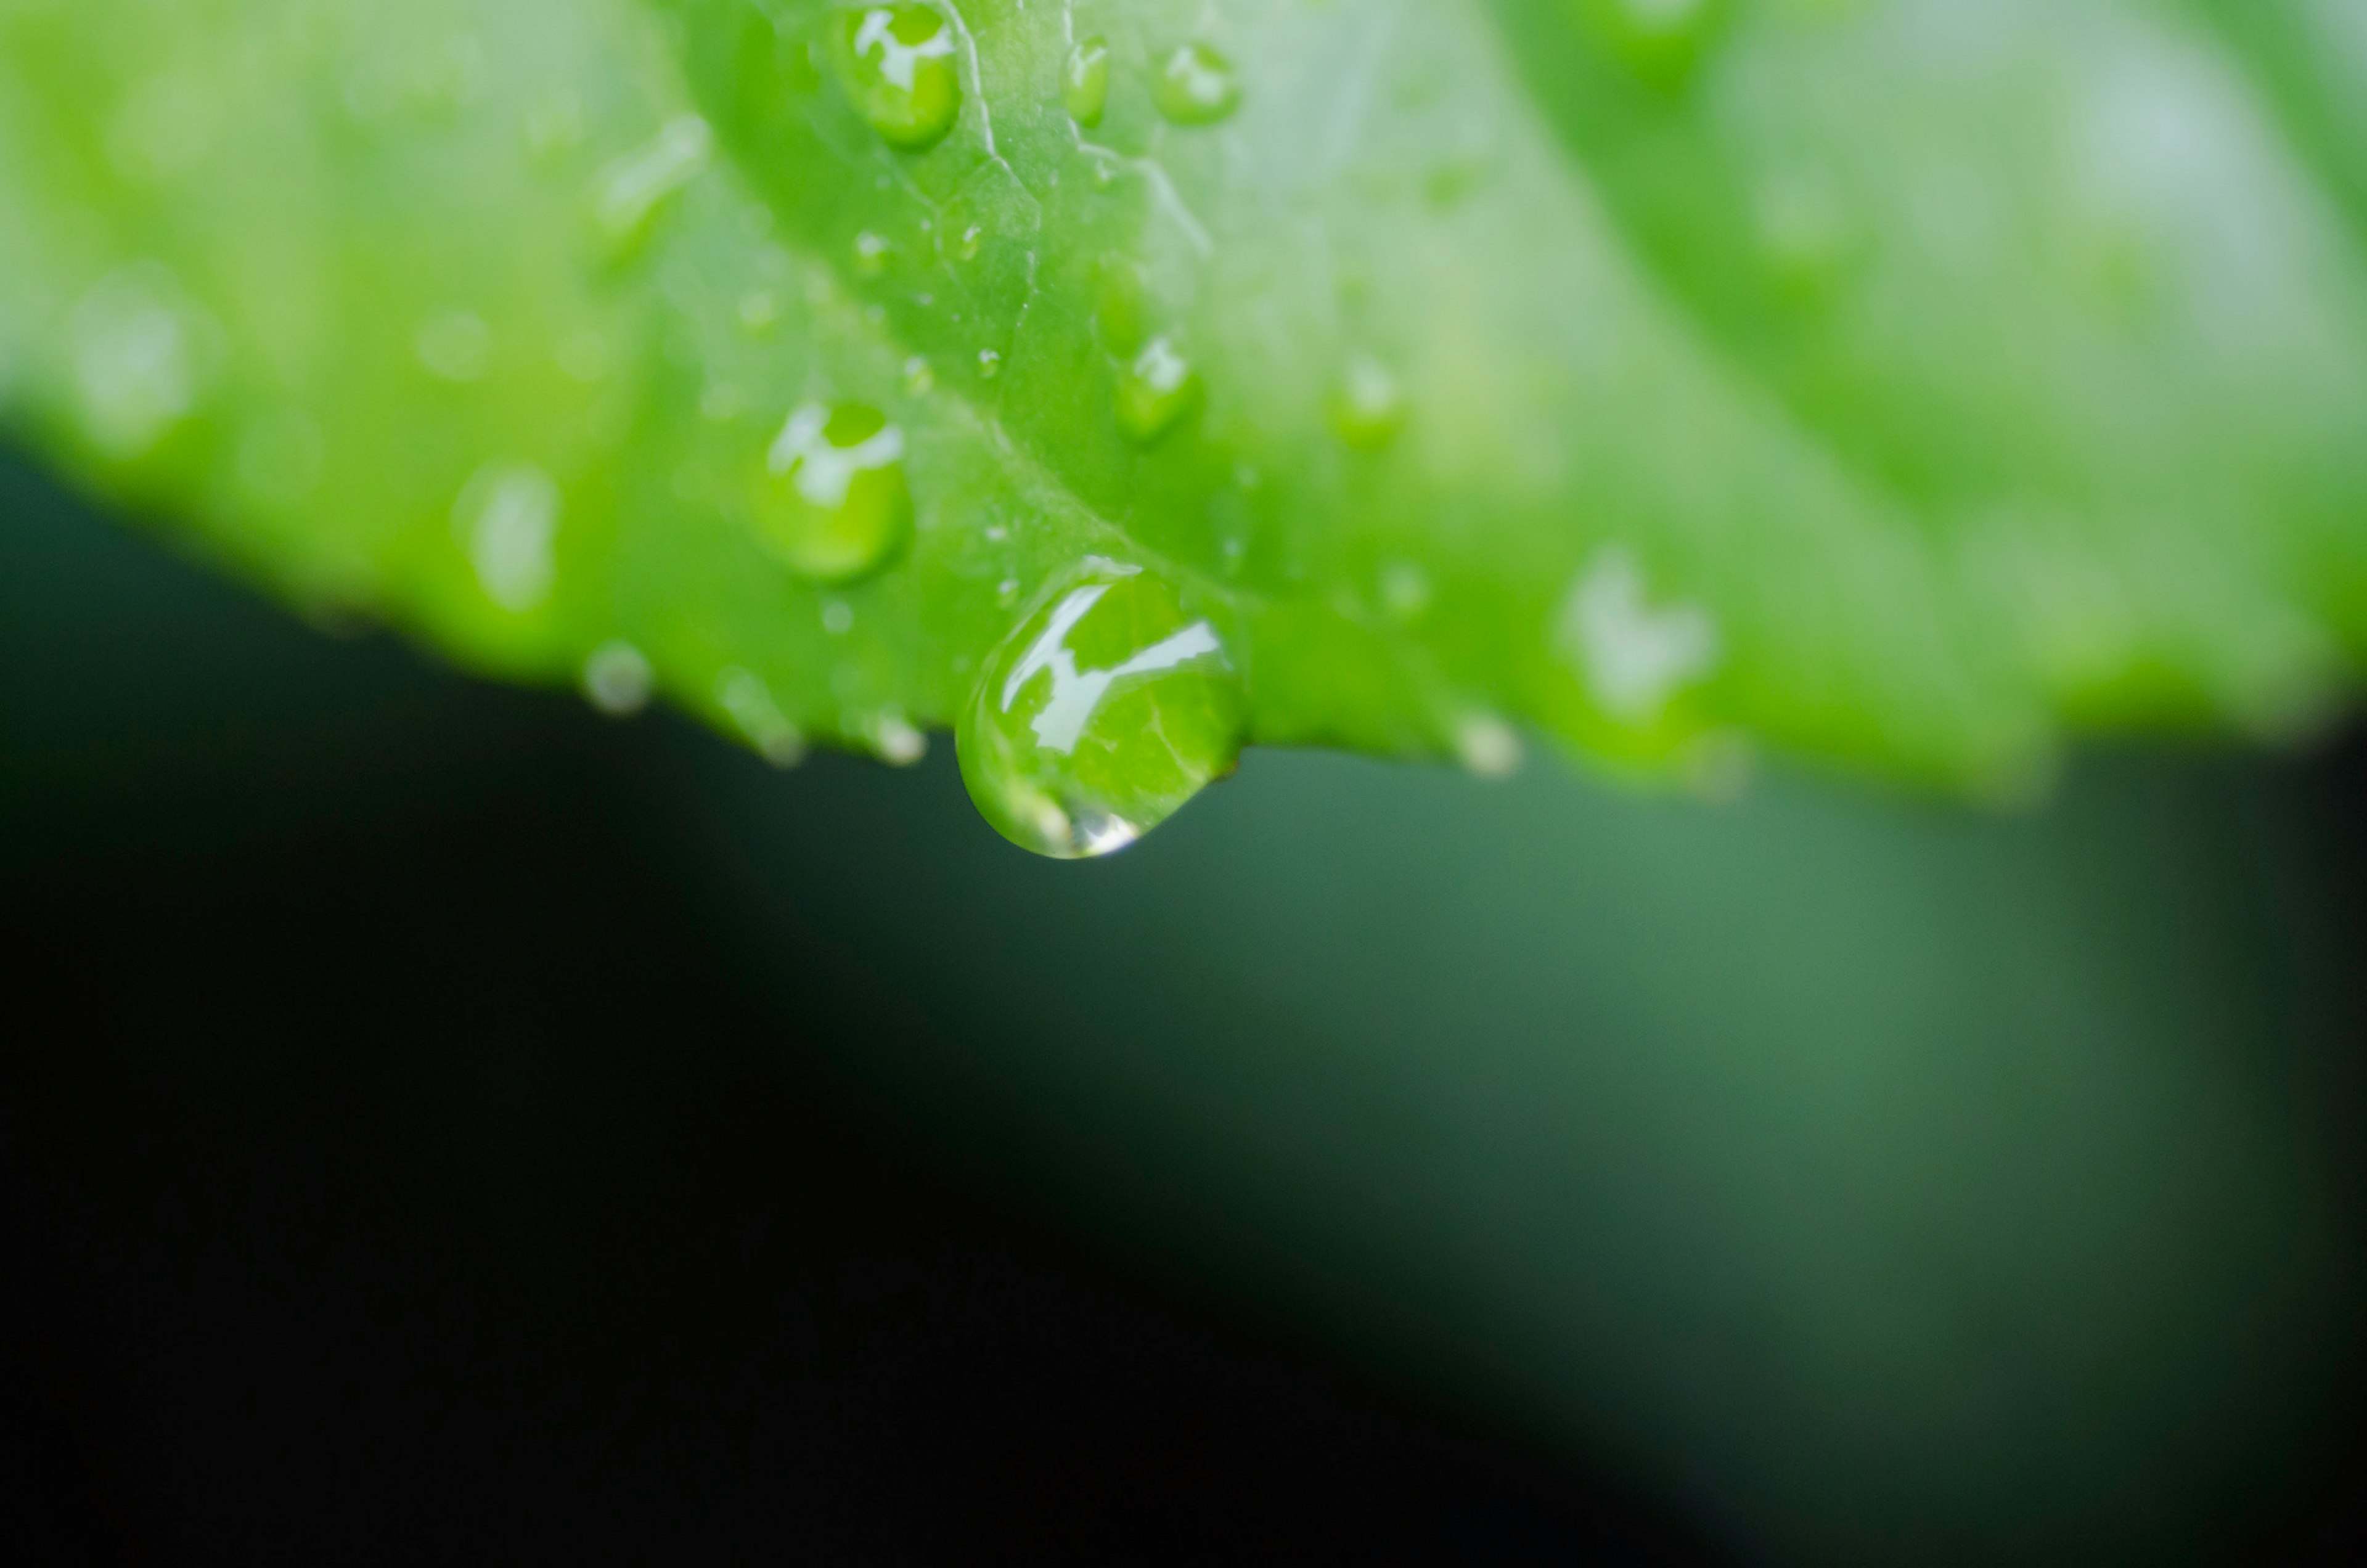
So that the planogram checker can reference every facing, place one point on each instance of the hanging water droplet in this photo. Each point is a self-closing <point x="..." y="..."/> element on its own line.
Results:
<point x="832" y="500"/>
<point x="1367" y="405"/>
<point x="1084" y="83"/>
<point x="1158" y="388"/>
<point x="629" y="192"/>
<point x="507" y="519"/>
<point x="1488" y="747"/>
<point x="893" y="736"/>
<point x="1102" y="714"/>
<point x="897" y="64"/>
<point x="1194" y="85"/>
<point x="1660" y="40"/>
<point x="618" y="679"/>
<point x="919" y="378"/>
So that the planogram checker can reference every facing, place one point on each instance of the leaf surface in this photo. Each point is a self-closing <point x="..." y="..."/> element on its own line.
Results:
<point x="1894" y="382"/>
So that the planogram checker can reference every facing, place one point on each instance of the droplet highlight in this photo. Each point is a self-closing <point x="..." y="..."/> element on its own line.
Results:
<point x="507" y="520"/>
<point x="1368" y="404"/>
<point x="627" y="193"/>
<point x="1101" y="715"/>
<point x="832" y="502"/>
<point x="618" y="679"/>
<point x="1084" y="81"/>
<point x="1158" y="388"/>
<point x="1194" y="85"/>
<point x="898" y="67"/>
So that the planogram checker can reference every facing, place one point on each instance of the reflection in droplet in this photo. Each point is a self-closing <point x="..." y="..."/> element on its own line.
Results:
<point x="990" y="363"/>
<point x="507" y="519"/>
<point x="832" y="500"/>
<point x="618" y="679"/>
<point x="1194" y="85"/>
<point x="1157" y="389"/>
<point x="1367" y="405"/>
<point x="1085" y="83"/>
<point x="1101" y="715"/>
<point x="1631" y="657"/>
<point x="897" y="65"/>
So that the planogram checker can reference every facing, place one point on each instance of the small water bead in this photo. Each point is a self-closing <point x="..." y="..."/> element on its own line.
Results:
<point x="871" y="253"/>
<point x="919" y="378"/>
<point x="897" y="64"/>
<point x="507" y="520"/>
<point x="1367" y="405"/>
<point x="1194" y="85"/>
<point x="1488" y="747"/>
<point x="1085" y="83"/>
<point x="1102" y="714"/>
<point x="627" y="193"/>
<point x="838" y="618"/>
<point x="897" y="742"/>
<point x="743" y="695"/>
<point x="138" y="358"/>
<point x="1660" y="40"/>
<point x="990" y="363"/>
<point x="1157" y="389"/>
<point x="618" y="679"/>
<point x="832" y="500"/>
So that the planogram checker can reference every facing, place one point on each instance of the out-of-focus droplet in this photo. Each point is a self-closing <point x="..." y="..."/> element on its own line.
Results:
<point x="454" y="346"/>
<point x="1405" y="592"/>
<point x="895" y="739"/>
<point x="1662" y="42"/>
<point x="1101" y="715"/>
<point x="871" y="253"/>
<point x="618" y="679"/>
<point x="1119" y="297"/>
<point x="1488" y="747"/>
<point x="832" y="500"/>
<point x="1157" y="387"/>
<point x="759" y="312"/>
<point x="1368" y="404"/>
<point x="1632" y="656"/>
<point x="139" y="357"/>
<point x="506" y="519"/>
<point x="1194" y="85"/>
<point x="897" y="65"/>
<point x="1084" y="81"/>
<point x="742" y="695"/>
<point x="627" y="193"/>
<point x="990" y="363"/>
<point x="920" y="379"/>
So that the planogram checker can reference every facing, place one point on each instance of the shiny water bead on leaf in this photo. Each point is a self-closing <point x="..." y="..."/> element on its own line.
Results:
<point x="1660" y="40"/>
<point x="1106" y="711"/>
<point x="832" y="500"/>
<point x="897" y="64"/>
<point x="1194" y="85"/>
<point x="1084" y="81"/>
<point x="1367" y="405"/>
<point x="1157" y="389"/>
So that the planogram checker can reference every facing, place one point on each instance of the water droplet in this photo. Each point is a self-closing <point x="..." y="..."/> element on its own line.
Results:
<point x="897" y="64"/>
<point x="759" y="312"/>
<point x="990" y="363"/>
<point x="743" y="695"/>
<point x="455" y="345"/>
<point x="1660" y="40"/>
<point x="1157" y="391"/>
<point x="832" y="500"/>
<point x="137" y="359"/>
<point x="1488" y="747"/>
<point x="1632" y="658"/>
<point x="618" y="679"/>
<point x="871" y="252"/>
<point x="900" y="745"/>
<point x="629" y="192"/>
<point x="966" y="247"/>
<point x="1367" y="405"/>
<point x="1084" y="83"/>
<point x="506" y="519"/>
<point x="1006" y="591"/>
<point x="1194" y="85"/>
<point x="838" y="618"/>
<point x="919" y="378"/>
<point x="1405" y="592"/>
<point x="1102" y="714"/>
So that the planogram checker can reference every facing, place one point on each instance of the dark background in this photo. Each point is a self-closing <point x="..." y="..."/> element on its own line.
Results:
<point x="412" y="1148"/>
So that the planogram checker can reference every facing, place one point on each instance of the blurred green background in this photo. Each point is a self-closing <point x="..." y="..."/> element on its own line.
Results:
<point x="1820" y="1177"/>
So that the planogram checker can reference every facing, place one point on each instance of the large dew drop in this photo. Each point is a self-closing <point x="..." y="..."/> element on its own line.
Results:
<point x="832" y="500"/>
<point x="1102" y="714"/>
<point x="1085" y="83"/>
<point x="897" y="64"/>
<point x="1194" y="85"/>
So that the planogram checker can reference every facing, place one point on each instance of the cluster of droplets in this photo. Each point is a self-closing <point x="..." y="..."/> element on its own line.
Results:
<point x="1106" y="709"/>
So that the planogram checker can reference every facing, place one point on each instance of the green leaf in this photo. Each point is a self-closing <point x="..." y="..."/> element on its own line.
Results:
<point x="1894" y="382"/>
